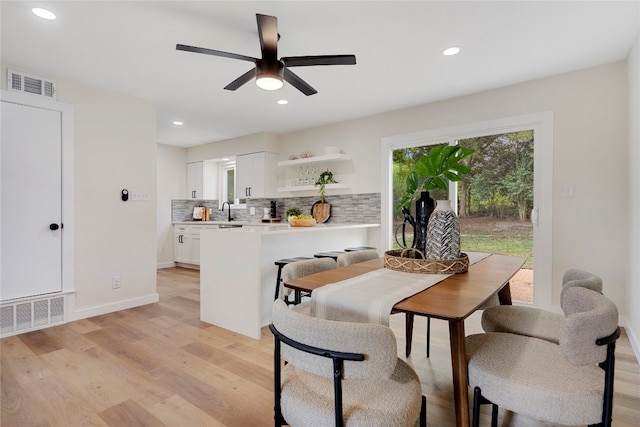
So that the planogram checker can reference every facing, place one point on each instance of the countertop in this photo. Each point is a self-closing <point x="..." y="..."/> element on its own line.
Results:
<point x="279" y="228"/>
<point x="274" y="226"/>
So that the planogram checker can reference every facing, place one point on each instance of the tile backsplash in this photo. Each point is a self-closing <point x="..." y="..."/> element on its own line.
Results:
<point x="345" y="209"/>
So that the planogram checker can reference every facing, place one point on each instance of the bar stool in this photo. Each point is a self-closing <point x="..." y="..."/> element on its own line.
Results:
<point x="281" y="263"/>
<point x="359" y="248"/>
<point x="330" y="254"/>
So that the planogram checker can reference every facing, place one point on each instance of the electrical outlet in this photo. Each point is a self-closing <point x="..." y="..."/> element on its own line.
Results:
<point x="115" y="282"/>
<point x="252" y="210"/>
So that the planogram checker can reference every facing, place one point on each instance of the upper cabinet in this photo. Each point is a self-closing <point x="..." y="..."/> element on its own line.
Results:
<point x="195" y="180"/>
<point x="201" y="180"/>
<point x="256" y="175"/>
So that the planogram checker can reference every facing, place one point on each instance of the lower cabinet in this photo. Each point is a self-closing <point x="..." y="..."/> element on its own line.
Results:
<point x="186" y="244"/>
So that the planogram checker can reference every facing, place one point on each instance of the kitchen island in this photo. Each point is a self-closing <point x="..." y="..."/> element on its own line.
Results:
<point x="238" y="274"/>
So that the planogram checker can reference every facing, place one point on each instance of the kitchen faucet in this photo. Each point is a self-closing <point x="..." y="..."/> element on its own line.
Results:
<point x="229" y="217"/>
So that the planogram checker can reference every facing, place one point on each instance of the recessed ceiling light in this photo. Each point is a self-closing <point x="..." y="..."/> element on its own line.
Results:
<point x="451" y="51"/>
<point x="43" y="13"/>
<point x="282" y="102"/>
<point x="178" y="123"/>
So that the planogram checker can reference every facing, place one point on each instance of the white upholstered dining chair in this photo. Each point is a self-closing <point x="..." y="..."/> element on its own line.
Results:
<point x="354" y="257"/>
<point x="535" y="322"/>
<point x="295" y="270"/>
<point x="341" y="373"/>
<point x="570" y="383"/>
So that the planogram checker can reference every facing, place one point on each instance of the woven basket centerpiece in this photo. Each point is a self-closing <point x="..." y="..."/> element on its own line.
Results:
<point x="405" y="260"/>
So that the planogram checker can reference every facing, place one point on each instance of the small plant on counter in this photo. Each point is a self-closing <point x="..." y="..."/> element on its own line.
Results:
<point x="324" y="178"/>
<point x="292" y="212"/>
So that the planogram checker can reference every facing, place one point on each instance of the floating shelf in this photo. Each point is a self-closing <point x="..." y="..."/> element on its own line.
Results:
<point x="316" y="159"/>
<point x="312" y="187"/>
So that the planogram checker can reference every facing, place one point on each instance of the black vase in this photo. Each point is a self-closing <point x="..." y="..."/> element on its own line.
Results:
<point x="424" y="207"/>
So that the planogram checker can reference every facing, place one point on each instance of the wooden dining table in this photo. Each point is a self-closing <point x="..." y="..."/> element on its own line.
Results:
<point x="453" y="299"/>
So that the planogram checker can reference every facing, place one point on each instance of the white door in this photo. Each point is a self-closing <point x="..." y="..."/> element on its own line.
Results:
<point x="31" y="212"/>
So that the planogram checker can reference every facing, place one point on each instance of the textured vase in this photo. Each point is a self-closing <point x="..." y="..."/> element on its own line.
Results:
<point x="443" y="233"/>
<point x="424" y="207"/>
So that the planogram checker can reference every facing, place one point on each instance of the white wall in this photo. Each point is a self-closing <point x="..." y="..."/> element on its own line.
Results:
<point x="633" y="283"/>
<point x="231" y="147"/>
<point x="172" y="184"/>
<point x="590" y="151"/>
<point x="115" y="148"/>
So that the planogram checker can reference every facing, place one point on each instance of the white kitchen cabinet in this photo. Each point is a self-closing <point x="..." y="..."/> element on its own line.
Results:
<point x="195" y="180"/>
<point x="256" y="175"/>
<point x="202" y="178"/>
<point x="182" y="244"/>
<point x="186" y="244"/>
<point x="195" y="247"/>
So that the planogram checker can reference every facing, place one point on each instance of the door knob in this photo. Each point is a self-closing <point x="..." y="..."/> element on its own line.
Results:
<point x="53" y="227"/>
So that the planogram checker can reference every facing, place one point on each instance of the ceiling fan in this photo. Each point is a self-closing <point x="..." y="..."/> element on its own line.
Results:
<point x="269" y="71"/>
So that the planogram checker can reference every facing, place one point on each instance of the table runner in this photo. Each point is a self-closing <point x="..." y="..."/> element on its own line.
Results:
<point x="369" y="298"/>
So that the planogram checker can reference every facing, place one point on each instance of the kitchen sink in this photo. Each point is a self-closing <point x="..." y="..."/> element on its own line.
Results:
<point x="229" y="225"/>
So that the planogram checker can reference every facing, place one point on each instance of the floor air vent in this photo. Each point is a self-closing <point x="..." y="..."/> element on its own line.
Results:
<point x="31" y="315"/>
<point x="22" y="82"/>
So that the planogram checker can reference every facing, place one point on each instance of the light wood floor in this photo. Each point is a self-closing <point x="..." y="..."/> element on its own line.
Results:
<point x="158" y="365"/>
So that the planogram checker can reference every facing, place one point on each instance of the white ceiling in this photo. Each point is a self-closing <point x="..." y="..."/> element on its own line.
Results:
<point x="129" y="47"/>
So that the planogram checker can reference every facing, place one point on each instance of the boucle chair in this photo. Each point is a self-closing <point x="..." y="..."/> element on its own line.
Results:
<point x="561" y="384"/>
<point x="341" y="373"/>
<point x="294" y="270"/>
<point x="354" y="257"/>
<point x="535" y="322"/>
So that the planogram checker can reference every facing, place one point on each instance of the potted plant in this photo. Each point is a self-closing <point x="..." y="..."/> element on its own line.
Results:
<point x="432" y="171"/>
<point x="321" y="210"/>
<point x="292" y="212"/>
<point x="324" y="178"/>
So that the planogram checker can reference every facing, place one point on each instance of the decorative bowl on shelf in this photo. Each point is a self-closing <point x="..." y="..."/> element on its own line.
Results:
<point x="298" y="222"/>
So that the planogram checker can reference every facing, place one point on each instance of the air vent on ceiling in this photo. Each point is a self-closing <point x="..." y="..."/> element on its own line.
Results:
<point x="22" y="82"/>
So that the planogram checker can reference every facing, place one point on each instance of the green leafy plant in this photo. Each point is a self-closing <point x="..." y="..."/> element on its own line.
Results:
<point x="292" y="212"/>
<point x="324" y="178"/>
<point x="433" y="170"/>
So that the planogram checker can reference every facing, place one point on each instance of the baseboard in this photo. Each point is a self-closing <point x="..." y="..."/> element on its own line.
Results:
<point x="162" y="265"/>
<point x="110" y="308"/>
<point x="633" y="337"/>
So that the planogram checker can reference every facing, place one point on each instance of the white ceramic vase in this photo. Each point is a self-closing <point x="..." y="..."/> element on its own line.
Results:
<point x="443" y="233"/>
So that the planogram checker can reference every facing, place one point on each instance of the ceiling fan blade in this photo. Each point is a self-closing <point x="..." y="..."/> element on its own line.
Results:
<point x="298" y="83"/>
<point x="268" y="31"/>
<point x="241" y="80"/>
<point x="214" y="52"/>
<point x="304" y="61"/>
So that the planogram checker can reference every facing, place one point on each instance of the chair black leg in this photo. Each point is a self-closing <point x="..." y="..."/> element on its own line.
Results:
<point x="494" y="415"/>
<point x="479" y="399"/>
<point x="278" y="418"/>
<point x="423" y="412"/>
<point x="475" y="422"/>
<point x="278" y="283"/>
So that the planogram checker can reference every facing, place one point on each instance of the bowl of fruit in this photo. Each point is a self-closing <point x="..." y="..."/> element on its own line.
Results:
<point x="302" y="221"/>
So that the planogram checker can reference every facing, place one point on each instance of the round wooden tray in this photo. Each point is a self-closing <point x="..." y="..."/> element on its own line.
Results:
<point x="394" y="260"/>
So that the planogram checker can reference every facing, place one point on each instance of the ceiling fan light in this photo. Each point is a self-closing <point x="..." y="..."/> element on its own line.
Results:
<point x="269" y="82"/>
<point x="269" y="74"/>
